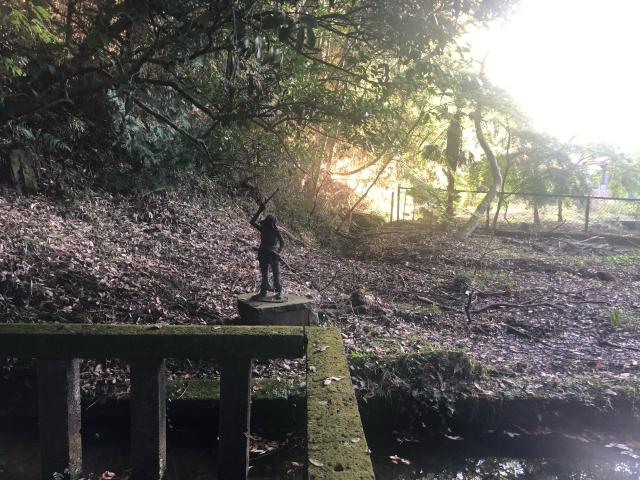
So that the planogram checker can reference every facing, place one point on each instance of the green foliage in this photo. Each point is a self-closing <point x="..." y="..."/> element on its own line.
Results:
<point x="37" y="139"/>
<point x="53" y="144"/>
<point x="622" y="318"/>
<point x="68" y="474"/>
<point x="22" y="24"/>
<point x="622" y="169"/>
<point x="432" y="378"/>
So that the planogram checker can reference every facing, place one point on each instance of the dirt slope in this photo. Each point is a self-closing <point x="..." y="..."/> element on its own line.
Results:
<point x="569" y="310"/>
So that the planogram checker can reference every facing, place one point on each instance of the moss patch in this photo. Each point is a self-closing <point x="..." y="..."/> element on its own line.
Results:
<point x="209" y="389"/>
<point x="449" y="385"/>
<point x="337" y="447"/>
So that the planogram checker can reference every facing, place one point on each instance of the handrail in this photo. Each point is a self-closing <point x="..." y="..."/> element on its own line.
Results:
<point x="336" y="443"/>
<point x="57" y="348"/>
<point x="149" y="341"/>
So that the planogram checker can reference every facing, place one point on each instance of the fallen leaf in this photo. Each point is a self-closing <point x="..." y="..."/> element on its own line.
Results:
<point x="621" y="446"/>
<point x="328" y="380"/>
<point x="397" y="460"/>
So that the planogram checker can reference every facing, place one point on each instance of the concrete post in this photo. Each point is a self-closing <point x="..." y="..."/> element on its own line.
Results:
<point x="148" y="419"/>
<point x="59" y="416"/>
<point x="235" y="416"/>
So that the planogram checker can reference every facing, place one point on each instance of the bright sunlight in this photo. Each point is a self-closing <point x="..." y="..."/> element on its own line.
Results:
<point x="573" y="67"/>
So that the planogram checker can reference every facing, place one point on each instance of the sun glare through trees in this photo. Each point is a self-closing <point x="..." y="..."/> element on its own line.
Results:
<point x="571" y="65"/>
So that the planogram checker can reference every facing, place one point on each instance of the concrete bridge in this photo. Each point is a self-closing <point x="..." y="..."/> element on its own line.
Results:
<point x="332" y="417"/>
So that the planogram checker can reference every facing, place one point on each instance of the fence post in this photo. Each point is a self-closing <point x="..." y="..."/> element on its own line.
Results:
<point x="391" y="212"/>
<point x="586" y="215"/>
<point x="560" y="210"/>
<point x="235" y="417"/>
<point x="148" y="419"/>
<point x="398" y="204"/>
<point x="404" y="206"/>
<point x="59" y="416"/>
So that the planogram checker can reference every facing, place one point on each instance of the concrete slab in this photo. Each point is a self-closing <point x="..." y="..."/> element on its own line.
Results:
<point x="296" y="310"/>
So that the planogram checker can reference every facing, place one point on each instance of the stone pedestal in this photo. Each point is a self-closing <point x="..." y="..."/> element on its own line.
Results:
<point x="295" y="310"/>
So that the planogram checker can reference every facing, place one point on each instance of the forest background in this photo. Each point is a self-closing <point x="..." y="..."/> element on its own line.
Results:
<point x="332" y="101"/>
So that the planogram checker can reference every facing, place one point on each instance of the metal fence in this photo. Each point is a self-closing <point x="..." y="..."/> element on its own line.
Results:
<point x="562" y="213"/>
<point x="537" y="212"/>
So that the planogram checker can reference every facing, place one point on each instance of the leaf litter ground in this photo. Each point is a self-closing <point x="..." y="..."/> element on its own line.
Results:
<point x="541" y="312"/>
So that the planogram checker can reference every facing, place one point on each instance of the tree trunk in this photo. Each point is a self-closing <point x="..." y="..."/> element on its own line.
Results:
<point x="68" y="28"/>
<point x="330" y="149"/>
<point x="452" y="154"/>
<point x="313" y="181"/>
<point x="498" y="208"/>
<point x="536" y="215"/>
<point x="504" y="180"/>
<point x="451" y="195"/>
<point x="476" y="217"/>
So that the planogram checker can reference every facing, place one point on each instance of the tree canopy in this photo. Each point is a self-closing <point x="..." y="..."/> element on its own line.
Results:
<point x="288" y="87"/>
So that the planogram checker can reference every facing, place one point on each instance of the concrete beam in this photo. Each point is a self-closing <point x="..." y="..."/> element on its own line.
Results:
<point x="149" y="341"/>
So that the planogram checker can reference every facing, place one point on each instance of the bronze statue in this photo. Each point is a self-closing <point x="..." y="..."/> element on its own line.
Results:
<point x="271" y="244"/>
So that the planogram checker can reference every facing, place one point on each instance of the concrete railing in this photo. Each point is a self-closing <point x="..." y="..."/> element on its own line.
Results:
<point x="336" y="444"/>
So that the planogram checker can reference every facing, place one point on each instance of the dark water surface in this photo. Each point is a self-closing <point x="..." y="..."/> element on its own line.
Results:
<point x="500" y="457"/>
<point x="191" y="455"/>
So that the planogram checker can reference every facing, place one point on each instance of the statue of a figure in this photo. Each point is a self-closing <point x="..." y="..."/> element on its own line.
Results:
<point x="271" y="244"/>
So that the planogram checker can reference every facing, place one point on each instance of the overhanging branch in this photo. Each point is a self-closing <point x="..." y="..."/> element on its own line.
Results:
<point x="196" y="141"/>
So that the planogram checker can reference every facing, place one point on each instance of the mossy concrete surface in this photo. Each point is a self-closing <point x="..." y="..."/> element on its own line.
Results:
<point x="336" y="445"/>
<point x="150" y="341"/>
<point x="203" y="389"/>
<point x="296" y="310"/>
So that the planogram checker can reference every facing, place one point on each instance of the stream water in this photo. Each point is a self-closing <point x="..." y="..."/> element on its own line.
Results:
<point x="191" y="456"/>
<point x="503" y="457"/>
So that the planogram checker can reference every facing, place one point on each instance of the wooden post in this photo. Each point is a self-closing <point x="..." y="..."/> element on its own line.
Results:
<point x="560" y="212"/>
<point x="235" y="417"/>
<point x="59" y="416"/>
<point x="404" y="206"/>
<point x="586" y="215"/>
<point x="391" y="212"/>
<point x="398" y="204"/>
<point x="148" y="419"/>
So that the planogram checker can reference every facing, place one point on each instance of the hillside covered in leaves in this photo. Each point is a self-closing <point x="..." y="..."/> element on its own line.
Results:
<point x="536" y="317"/>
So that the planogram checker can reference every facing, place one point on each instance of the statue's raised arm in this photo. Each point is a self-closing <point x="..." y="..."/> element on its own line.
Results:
<point x="254" y="219"/>
<point x="263" y="206"/>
